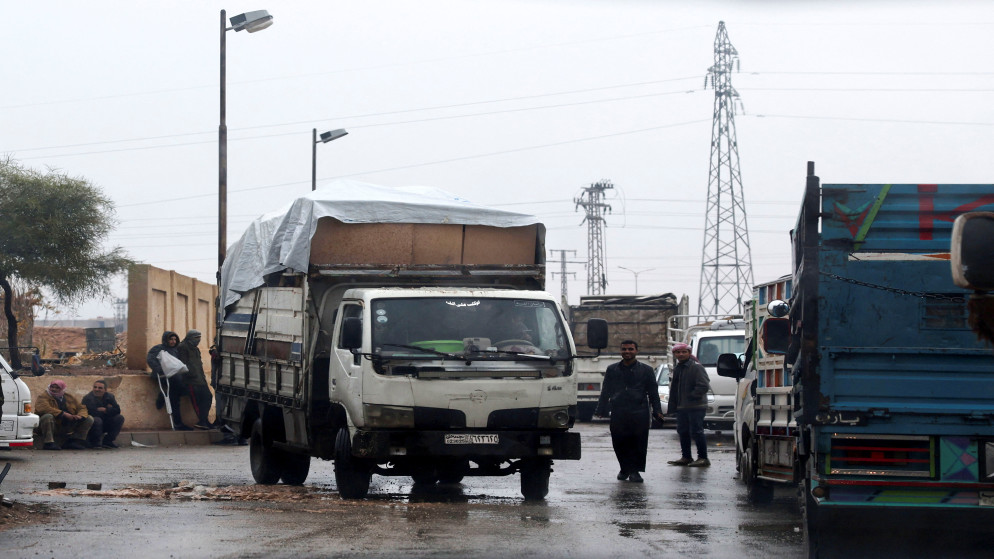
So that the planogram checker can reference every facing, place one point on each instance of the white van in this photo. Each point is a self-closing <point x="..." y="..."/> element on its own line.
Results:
<point x="721" y="336"/>
<point x="18" y="423"/>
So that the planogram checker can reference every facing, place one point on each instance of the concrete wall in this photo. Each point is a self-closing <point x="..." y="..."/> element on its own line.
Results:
<point x="161" y="300"/>
<point x="135" y="393"/>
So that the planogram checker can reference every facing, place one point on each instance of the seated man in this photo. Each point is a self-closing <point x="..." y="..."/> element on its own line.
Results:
<point x="62" y="417"/>
<point x="106" y="414"/>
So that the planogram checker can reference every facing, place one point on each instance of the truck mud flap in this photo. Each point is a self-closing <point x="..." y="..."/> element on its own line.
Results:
<point x="504" y="444"/>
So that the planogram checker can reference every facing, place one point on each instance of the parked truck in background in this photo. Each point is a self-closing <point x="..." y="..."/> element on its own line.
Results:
<point x="642" y="318"/>
<point x="765" y="430"/>
<point x="399" y="333"/>
<point x="709" y="337"/>
<point x="892" y="394"/>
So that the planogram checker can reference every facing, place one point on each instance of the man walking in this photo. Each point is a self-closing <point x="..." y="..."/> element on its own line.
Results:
<point x="628" y="392"/>
<point x="106" y="414"/>
<point x="688" y="400"/>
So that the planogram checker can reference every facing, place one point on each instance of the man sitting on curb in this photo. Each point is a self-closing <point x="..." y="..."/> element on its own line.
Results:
<point x="106" y="414"/>
<point x="62" y="416"/>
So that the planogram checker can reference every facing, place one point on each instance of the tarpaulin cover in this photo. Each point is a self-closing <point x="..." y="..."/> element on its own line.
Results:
<point x="281" y="240"/>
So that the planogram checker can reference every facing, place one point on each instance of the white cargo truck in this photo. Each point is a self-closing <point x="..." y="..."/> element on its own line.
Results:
<point x="398" y="332"/>
<point x="642" y="318"/>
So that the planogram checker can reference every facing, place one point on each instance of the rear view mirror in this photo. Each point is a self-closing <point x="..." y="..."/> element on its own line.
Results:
<point x="730" y="366"/>
<point x="352" y="333"/>
<point x="597" y="333"/>
<point x="776" y="335"/>
<point x="972" y="251"/>
<point x="778" y="308"/>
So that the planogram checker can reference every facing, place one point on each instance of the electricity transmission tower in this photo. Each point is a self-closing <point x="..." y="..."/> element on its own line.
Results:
<point x="563" y="273"/>
<point x="592" y="201"/>
<point x="726" y="262"/>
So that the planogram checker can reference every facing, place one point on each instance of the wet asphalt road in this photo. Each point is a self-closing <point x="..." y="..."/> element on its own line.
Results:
<point x="677" y="512"/>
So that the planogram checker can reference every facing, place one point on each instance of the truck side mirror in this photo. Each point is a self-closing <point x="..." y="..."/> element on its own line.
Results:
<point x="729" y="366"/>
<point x="778" y="308"/>
<point x="597" y="333"/>
<point x="972" y="251"/>
<point x="776" y="335"/>
<point x="352" y="333"/>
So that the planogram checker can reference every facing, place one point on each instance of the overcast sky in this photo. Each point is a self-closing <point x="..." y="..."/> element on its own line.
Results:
<point x="515" y="104"/>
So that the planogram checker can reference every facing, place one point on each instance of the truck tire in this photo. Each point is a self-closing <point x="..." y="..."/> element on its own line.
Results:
<point x="295" y="468"/>
<point x="585" y="412"/>
<point x="452" y="471"/>
<point x="352" y="475"/>
<point x="266" y="461"/>
<point x="423" y="472"/>
<point x="535" y="478"/>
<point x="809" y="512"/>
<point x="757" y="491"/>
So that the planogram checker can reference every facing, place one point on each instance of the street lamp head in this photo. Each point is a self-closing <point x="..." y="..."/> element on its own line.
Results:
<point x="252" y="21"/>
<point x="332" y="135"/>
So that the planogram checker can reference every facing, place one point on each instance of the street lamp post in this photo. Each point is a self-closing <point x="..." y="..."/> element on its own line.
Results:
<point x="636" y="273"/>
<point x="251" y="22"/>
<point x="325" y="138"/>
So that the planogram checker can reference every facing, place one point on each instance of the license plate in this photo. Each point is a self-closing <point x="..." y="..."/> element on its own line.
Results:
<point x="987" y="498"/>
<point x="8" y="425"/>
<point x="471" y="439"/>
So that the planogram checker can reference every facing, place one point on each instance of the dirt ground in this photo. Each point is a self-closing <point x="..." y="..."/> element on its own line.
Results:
<point x="13" y="514"/>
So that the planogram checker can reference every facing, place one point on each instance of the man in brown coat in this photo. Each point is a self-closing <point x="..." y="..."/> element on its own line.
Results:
<point x="62" y="417"/>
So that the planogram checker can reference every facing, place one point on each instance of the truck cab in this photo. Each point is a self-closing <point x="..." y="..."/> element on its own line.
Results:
<point x="18" y="422"/>
<point x="707" y="343"/>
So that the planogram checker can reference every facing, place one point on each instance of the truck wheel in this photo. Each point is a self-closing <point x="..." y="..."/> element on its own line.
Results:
<point x="266" y="461"/>
<point x="585" y="413"/>
<point x="352" y="475"/>
<point x="809" y="511"/>
<point x="424" y="473"/>
<point x="295" y="468"/>
<point x="535" y="478"/>
<point x="757" y="491"/>
<point x="452" y="472"/>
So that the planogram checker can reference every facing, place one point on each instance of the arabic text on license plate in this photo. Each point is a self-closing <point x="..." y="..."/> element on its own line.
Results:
<point x="7" y="425"/>
<point x="471" y="439"/>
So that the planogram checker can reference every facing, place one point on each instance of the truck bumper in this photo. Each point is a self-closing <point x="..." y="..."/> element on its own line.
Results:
<point x="467" y="444"/>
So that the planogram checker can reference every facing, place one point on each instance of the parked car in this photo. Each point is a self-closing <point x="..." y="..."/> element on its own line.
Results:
<point x="663" y="376"/>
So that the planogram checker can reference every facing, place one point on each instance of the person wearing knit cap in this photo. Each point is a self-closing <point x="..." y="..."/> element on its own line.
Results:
<point x="62" y="417"/>
<point x="195" y="379"/>
<point x="689" y="401"/>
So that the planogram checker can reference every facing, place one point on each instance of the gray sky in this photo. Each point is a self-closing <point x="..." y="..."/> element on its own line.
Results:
<point x="516" y="104"/>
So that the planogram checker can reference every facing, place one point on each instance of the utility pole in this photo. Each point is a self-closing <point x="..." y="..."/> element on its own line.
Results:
<point x="120" y="315"/>
<point x="563" y="273"/>
<point x="592" y="201"/>
<point x="726" y="262"/>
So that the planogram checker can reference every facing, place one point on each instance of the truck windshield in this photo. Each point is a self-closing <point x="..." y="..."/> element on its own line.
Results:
<point x="477" y="327"/>
<point x="709" y="349"/>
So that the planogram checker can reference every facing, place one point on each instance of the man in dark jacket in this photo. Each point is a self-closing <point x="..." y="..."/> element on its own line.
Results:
<point x="628" y="392"/>
<point x="106" y="414"/>
<point x="177" y="388"/>
<point x="689" y="401"/>
<point x="195" y="379"/>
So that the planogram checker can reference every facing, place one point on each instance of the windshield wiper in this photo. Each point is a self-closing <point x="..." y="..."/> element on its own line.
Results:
<point x="516" y="354"/>
<point x="423" y="349"/>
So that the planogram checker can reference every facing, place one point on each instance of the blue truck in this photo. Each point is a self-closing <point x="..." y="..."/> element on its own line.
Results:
<point x="891" y="393"/>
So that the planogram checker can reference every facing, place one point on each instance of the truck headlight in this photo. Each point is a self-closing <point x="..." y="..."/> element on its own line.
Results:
<point x="388" y="417"/>
<point x="553" y="418"/>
